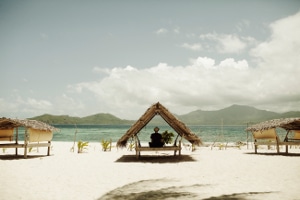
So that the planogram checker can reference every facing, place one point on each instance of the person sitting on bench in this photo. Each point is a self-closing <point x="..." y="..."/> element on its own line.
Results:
<point x="156" y="139"/>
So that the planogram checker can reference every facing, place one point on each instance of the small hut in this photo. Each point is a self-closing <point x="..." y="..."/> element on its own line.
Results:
<point x="159" y="109"/>
<point x="267" y="130"/>
<point x="37" y="134"/>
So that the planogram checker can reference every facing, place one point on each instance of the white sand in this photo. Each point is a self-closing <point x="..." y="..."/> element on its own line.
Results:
<point x="203" y="174"/>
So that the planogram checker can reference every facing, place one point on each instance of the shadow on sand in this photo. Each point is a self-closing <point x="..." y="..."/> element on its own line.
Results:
<point x="238" y="196"/>
<point x="156" y="159"/>
<point x="165" y="189"/>
<point x="148" y="189"/>
<point x="276" y="154"/>
<point x="20" y="157"/>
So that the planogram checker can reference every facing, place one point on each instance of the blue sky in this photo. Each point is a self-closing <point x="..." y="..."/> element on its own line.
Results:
<point x="84" y="57"/>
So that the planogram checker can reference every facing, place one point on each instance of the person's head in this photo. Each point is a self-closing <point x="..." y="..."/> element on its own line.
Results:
<point x="156" y="129"/>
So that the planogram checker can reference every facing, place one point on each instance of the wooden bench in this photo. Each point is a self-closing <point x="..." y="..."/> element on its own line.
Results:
<point x="175" y="148"/>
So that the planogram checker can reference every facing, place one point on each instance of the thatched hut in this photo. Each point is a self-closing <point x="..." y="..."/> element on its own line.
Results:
<point x="37" y="134"/>
<point x="151" y="112"/>
<point x="267" y="131"/>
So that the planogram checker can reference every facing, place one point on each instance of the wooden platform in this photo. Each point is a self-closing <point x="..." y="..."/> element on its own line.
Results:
<point x="138" y="149"/>
<point x="27" y="146"/>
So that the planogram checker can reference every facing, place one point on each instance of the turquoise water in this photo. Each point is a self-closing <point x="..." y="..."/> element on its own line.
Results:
<point x="95" y="133"/>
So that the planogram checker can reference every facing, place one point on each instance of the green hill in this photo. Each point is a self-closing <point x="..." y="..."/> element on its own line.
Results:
<point x="100" y="119"/>
<point x="233" y="115"/>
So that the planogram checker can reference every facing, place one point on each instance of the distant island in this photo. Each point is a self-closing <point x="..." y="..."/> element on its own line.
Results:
<point x="233" y="115"/>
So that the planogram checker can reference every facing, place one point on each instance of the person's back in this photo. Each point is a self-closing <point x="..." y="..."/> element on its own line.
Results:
<point x="156" y="139"/>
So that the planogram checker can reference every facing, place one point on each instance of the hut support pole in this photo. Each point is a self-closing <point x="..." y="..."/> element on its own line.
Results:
<point x="176" y="140"/>
<point x="255" y="146"/>
<point x="17" y="136"/>
<point x="179" y="151"/>
<point x="179" y="145"/>
<point x="286" y="140"/>
<point x="277" y="144"/>
<point x="137" y="145"/>
<point x="25" y="143"/>
<point x="48" y="152"/>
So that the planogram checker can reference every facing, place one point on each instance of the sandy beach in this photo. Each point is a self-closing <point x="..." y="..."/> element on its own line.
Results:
<point x="203" y="174"/>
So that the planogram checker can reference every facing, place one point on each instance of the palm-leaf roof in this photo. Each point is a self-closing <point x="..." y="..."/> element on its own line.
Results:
<point x="159" y="109"/>
<point x="285" y="123"/>
<point x="7" y="123"/>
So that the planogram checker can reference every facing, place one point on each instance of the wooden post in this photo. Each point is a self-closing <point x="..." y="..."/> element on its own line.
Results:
<point x="175" y="141"/>
<point x="286" y="140"/>
<point x="48" y="152"/>
<point x="25" y="142"/>
<point x="17" y="136"/>
<point x="180" y="146"/>
<point x="277" y="144"/>
<point x="255" y="146"/>
<point x="137" y="153"/>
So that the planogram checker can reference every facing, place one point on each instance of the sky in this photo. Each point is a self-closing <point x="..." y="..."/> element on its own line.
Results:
<point x="81" y="58"/>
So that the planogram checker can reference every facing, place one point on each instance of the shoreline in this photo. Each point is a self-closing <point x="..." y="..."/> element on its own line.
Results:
<point x="118" y="174"/>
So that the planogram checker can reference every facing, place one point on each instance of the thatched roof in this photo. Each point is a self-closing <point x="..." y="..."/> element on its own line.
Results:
<point x="287" y="124"/>
<point x="158" y="109"/>
<point x="7" y="123"/>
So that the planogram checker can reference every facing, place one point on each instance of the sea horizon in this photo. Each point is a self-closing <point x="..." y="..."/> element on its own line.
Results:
<point x="96" y="133"/>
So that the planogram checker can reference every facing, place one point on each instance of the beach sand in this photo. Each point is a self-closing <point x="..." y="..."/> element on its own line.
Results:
<point x="117" y="174"/>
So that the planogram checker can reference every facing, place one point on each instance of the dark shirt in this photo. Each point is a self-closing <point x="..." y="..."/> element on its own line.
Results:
<point x="156" y="140"/>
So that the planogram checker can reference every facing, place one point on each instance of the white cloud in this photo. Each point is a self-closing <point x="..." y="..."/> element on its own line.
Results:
<point x="176" y="30"/>
<point x="161" y="31"/>
<point x="281" y="51"/>
<point x="164" y="31"/>
<point x="14" y="105"/>
<point x="243" y="24"/>
<point x="205" y="84"/>
<point x="279" y="63"/>
<point x="100" y="70"/>
<point x="194" y="47"/>
<point x="202" y="82"/>
<point x="38" y="104"/>
<point x="226" y="43"/>
<point x="69" y="104"/>
<point x="204" y="62"/>
<point x="230" y="62"/>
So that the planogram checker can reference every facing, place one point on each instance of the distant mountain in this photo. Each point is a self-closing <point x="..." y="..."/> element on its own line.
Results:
<point x="101" y="119"/>
<point x="233" y="115"/>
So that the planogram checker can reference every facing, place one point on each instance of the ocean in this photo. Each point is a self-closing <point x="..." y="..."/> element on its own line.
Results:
<point x="96" y="133"/>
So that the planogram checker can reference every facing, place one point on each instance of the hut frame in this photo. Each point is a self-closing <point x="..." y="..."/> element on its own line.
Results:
<point x="37" y="134"/>
<point x="158" y="109"/>
<point x="289" y="124"/>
